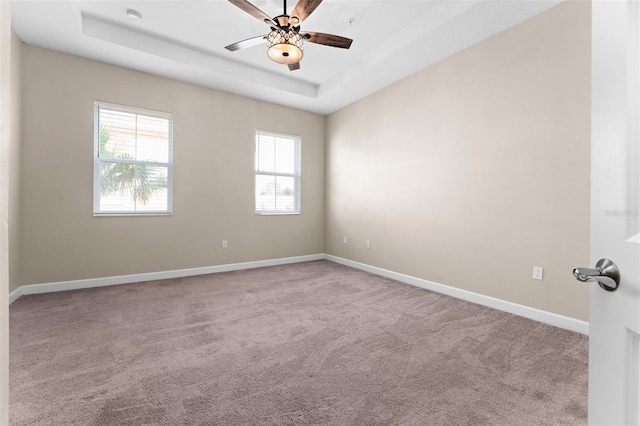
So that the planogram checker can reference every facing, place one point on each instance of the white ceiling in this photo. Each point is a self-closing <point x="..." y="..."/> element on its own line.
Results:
<point x="185" y="40"/>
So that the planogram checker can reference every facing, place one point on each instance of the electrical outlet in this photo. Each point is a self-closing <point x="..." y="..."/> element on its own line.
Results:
<point x="537" y="273"/>
<point x="224" y="243"/>
<point x="345" y="240"/>
<point x="368" y="244"/>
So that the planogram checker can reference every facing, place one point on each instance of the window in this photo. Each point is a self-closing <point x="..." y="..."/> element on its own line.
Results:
<point x="277" y="174"/>
<point x="133" y="161"/>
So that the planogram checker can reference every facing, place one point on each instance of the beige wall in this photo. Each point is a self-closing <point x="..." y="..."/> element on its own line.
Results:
<point x="213" y="185"/>
<point x="474" y="170"/>
<point x="14" y="161"/>
<point x="5" y="142"/>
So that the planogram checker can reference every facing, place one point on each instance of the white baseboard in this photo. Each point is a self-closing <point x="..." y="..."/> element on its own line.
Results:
<point x="556" y="320"/>
<point x="502" y="305"/>
<point x="15" y="295"/>
<point x="151" y="276"/>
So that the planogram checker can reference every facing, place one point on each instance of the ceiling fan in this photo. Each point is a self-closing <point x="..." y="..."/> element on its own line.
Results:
<point x="285" y="41"/>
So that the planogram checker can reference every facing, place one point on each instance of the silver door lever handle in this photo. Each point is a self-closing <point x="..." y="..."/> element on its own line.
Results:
<point x="605" y="273"/>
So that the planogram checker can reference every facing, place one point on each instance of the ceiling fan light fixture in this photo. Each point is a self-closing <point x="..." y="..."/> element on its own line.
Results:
<point x="285" y="46"/>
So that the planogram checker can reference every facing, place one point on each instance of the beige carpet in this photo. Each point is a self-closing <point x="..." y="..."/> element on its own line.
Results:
<point x="310" y="343"/>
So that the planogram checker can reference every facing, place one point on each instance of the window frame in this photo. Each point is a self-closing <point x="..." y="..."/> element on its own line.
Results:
<point x="97" y="160"/>
<point x="297" y="175"/>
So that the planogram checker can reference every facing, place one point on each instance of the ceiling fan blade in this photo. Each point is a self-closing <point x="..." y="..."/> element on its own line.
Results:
<point x="293" y="67"/>
<point x="304" y="8"/>
<point x="328" y="40"/>
<point x="254" y="41"/>
<point x="253" y="11"/>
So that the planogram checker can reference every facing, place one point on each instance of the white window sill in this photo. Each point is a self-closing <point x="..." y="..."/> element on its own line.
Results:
<point x="130" y="214"/>
<point x="276" y="213"/>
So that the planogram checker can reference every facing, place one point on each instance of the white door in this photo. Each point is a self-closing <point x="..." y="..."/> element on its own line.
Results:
<point x="614" y="336"/>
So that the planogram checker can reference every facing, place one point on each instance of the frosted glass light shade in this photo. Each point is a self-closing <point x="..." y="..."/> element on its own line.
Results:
<point x="284" y="47"/>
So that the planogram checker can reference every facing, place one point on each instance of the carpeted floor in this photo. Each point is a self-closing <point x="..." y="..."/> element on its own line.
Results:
<point x="309" y="343"/>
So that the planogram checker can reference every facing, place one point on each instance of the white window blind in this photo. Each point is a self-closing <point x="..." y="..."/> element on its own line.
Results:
<point x="133" y="160"/>
<point x="277" y="173"/>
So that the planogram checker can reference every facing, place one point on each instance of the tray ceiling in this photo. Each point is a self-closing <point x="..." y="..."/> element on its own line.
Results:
<point x="185" y="40"/>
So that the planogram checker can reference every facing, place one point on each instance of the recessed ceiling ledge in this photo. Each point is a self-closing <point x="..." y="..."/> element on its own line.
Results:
<point x="191" y="56"/>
